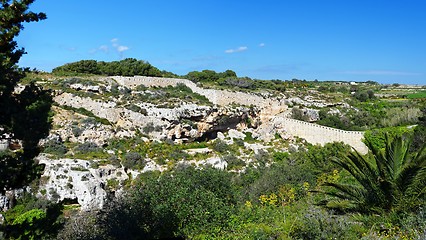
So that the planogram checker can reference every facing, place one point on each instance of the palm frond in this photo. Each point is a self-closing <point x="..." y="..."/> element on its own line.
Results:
<point x="418" y="187"/>
<point x="350" y="192"/>
<point x="420" y="157"/>
<point x="396" y="154"/>
<point x="365" y="173"/>
<point x="392" y="179"/>
<point x="407" y="177"/>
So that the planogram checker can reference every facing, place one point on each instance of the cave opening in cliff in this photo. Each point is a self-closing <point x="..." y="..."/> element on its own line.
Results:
<point x="207" y="136"/>
<point x="70" y="201"/>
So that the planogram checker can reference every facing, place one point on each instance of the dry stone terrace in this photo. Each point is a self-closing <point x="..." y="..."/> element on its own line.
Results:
<point x="313" y="133"/>
<point x="219" y="97"/>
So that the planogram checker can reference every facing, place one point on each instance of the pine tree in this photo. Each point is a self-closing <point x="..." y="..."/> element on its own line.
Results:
<point x="24" y="116"/>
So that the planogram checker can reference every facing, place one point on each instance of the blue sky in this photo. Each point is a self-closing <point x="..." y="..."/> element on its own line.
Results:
<point x="353" y="40"/>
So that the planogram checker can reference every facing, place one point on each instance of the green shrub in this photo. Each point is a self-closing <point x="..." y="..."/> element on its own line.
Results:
<point x="89" y="150"/>
<point x="319" y="224"/>
<point x="76" y="131"/>
<point x="377" y="136"/>
<point x="126" y="67"/>
<point x="86" y="113"/>
<point x="55" y="147"/>
<point x="249" y="137"/>
<point x="32" y="218"/>
<point x="151" y="127"/>
<point x="135" y="108"/>
<point x="88" y="147"/>
<point x="112" y="184"/>
<point x="221" y="146"/>
<point x="234" y="163"/>
<point x="183" y="203"/>
<point x="133" y="160"/>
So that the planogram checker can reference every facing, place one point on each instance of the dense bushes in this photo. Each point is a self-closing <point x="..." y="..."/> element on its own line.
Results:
<point x="170" y="96"/>
<point x="229" y="79"/>
<point x="269" y="201"/>
<point x="370" y="115"/>
<point x="55" y="147"/>
<point x="133" y="160"/>
<point x="209" y="76"/>
<point x="32" y="218"/>
<point x="317" y="223"/>
<point x="126" y="67"/>
<point x="364" y="96"/>
<point x="186" y="202"/>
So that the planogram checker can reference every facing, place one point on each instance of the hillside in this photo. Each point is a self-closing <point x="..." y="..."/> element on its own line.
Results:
<point x="110" y="131"/>
<point x="98" y="150"/>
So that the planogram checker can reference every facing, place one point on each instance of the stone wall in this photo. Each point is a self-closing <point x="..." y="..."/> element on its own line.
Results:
<point x="219" y="97"/>
<point x="270" y="109"/>
<point x="317" y="134"/>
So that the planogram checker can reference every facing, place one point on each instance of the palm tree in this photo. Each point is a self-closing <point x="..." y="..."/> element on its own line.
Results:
<point x="392" y="179"/>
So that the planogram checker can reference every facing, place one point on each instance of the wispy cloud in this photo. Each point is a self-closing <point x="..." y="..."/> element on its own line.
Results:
<point x="118" y="47"/>
<point x="235" y="50"/>
<point x="381" y="72"/>
<point x="115" y="45"/>
<point x="122" y="48"/>
<point x="104" y="48"/>
<point x="114" y="42"/>
<point x="261" y="44"/>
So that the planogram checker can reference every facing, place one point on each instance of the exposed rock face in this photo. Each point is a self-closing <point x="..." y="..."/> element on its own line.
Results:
<point x="234" y="134"/>
<point x="218" y="97"/>
<point x="77" y="180"/>
<point x="5" y="201"/>
<point x="215" y="162"/>
<point x="4" y="144"/>
<point x="187" y="122"/>
<point x="79" y="86"/>
<point x="312" y="114"/>
<point x="232" y="114"/>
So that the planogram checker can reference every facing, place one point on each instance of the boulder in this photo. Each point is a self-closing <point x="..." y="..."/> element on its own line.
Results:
<point x="234" y="134"/>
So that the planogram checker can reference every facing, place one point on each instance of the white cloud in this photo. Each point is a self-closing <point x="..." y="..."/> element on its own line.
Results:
<point x="122" y="48"/>
<point x="115" y="47"/>
<point x="104" y="48"/>
<point x="261" y="45"/>
<point x="240" y="49"/>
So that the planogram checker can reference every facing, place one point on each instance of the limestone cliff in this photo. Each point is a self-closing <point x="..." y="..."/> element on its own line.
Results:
<point x="121" y="108"/>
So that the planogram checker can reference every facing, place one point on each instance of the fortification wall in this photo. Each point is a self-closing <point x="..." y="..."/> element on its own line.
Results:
<point x="317" y="134"/>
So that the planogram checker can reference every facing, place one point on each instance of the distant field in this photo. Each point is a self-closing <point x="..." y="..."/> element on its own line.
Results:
<point x="417" y="95"/>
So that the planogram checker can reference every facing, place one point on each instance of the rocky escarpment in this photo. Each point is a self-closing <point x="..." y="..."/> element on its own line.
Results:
<point x="218" y="97"/>
<point x="121" y="108"/>
<point x="81" y="181"/>
<point x="185" y="123"/>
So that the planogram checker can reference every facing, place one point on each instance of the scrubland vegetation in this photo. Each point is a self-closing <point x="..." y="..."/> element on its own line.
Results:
<point x="279" y="192"/>
<point x="312" y="192"/>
